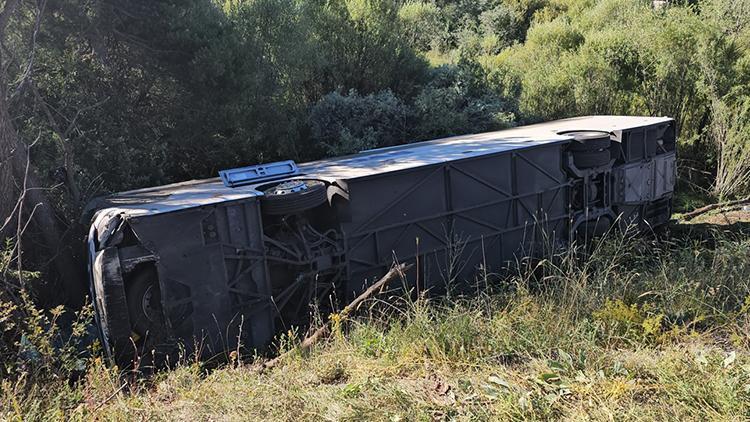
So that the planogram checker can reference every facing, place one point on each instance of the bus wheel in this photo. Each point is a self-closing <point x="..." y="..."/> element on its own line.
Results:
<point x="144" y="304"/>
<point x="293" y="197"/>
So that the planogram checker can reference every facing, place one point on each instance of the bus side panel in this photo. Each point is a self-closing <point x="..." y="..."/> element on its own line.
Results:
<point x="454" y="217"/>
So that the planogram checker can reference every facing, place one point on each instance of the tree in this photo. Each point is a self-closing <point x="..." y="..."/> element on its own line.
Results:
<point x="22" y="195"/>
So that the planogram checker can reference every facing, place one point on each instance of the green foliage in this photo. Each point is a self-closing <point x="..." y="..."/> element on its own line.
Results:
<point x="731" y="126"/>
<point x="38" y="344"/>
<point x="346" y="124"/>
<point x="557" y="35"/>
<point x="421" y="23"/>
<point x="622" y="57"/>
<point x="172" y="91"/>
<point x="457" y="101"/>
<point x="630" y="323"/>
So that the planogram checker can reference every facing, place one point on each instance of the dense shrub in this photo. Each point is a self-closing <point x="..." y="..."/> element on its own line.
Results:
<point x="35" y="343"/>
<point x="344" y="124"/>
<point x="421" y="22"/>
<point x="457" y="101"/>
<point x="730" y="130"/>
<point x="621" y="57"/>
<point x="216" y="87"/>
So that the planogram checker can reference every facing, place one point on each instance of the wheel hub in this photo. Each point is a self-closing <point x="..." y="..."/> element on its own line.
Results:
<point x="147" y="305"/>
<point x="290" y="187"/>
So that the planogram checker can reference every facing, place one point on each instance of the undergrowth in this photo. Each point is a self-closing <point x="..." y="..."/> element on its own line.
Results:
<point x="639" y="329"/>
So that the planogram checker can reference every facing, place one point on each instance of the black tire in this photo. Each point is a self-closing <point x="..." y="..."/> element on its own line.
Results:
<point x="589" y="159"/>
<point x="293" y="197"/>
<point x="589" y="140"/>
<point x="154" y="346"/>
<point x="144" y="304"/>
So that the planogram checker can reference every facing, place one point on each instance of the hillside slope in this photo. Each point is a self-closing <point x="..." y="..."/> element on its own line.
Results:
<point x="642" y="329"/>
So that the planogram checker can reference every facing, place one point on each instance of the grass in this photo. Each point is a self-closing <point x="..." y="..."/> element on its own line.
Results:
<point x="641" y="330"/>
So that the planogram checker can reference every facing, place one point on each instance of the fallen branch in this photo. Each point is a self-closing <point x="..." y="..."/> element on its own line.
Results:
<point x="722" y="205"/>
<point x="309" y="341"/>
<point x="110" y="397"/>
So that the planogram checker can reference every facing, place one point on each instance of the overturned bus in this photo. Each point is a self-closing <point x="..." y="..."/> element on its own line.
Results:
<point x="213" y="264"/>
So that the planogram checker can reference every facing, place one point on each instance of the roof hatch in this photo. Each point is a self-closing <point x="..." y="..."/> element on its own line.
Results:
<point x="258" y="173"/>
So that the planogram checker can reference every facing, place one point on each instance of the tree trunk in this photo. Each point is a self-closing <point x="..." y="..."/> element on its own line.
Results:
<point x="9" y="192"/>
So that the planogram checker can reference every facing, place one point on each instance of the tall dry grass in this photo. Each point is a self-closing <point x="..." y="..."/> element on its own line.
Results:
<point x="624" y="328"/>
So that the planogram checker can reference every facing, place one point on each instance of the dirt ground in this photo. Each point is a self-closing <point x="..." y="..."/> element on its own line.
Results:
<point x="707" y="226"/>
<point x="722" y="218"/>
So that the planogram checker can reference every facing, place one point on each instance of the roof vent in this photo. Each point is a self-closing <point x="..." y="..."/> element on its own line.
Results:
<point x="258" y="173"/>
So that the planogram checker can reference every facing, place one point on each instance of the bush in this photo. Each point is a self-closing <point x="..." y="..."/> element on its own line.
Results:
<point x="420" y="22"/>
<point x="557" y="35"/>
<point x="38" y="344"/>
<point x="456" y="101"/>
<point x="730" y="130"/>
<point x="345" y="124"/>
<point x="621" y="57"/>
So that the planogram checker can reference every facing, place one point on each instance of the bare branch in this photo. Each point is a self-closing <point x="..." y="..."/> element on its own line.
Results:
<point x="11" y="215"/>
<point x="80" y="111"/>
<point x="21" y="226"/>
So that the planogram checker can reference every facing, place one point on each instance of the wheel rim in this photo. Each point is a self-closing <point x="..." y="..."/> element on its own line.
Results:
<point x="289" y="187"/>
<point x="147" y="304"/>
